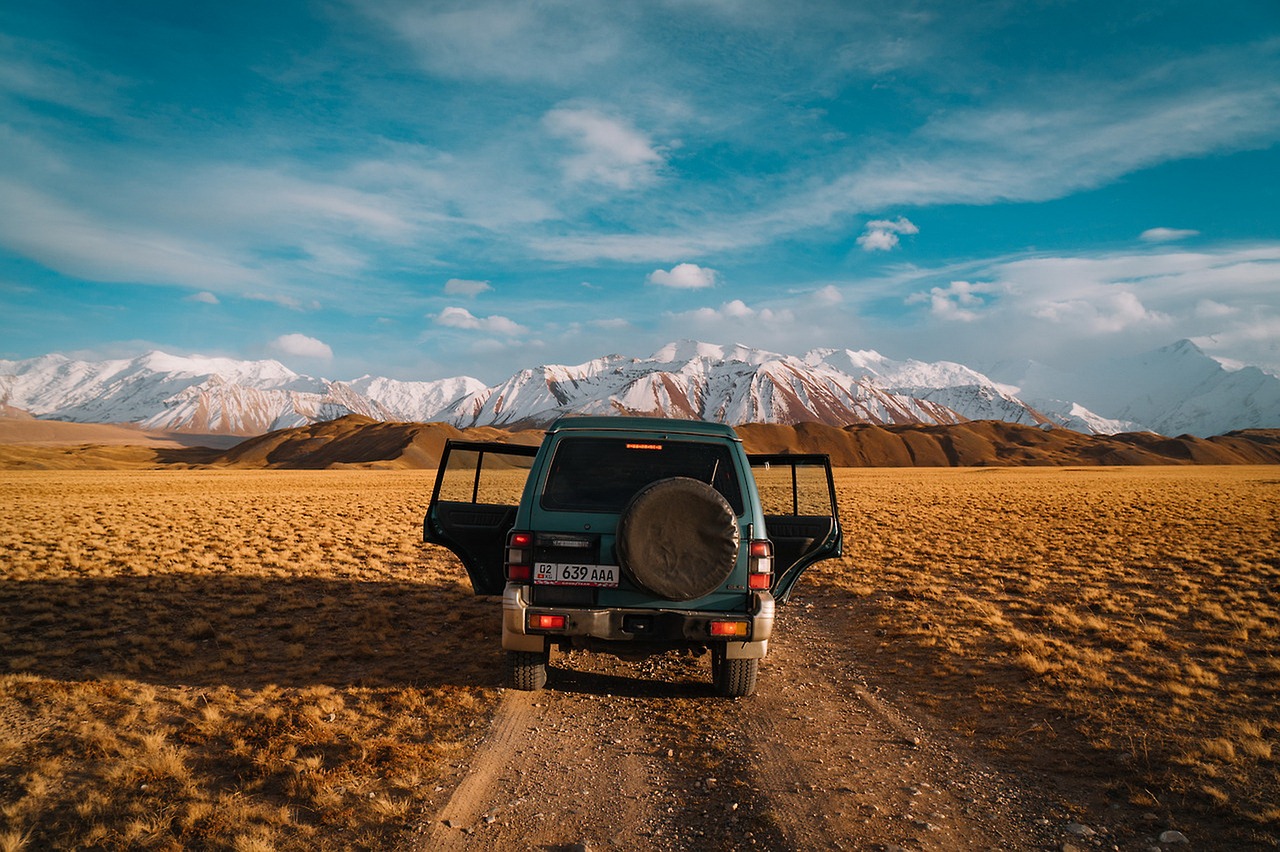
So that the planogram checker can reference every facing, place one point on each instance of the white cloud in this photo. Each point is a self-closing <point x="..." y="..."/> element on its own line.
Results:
<point x="1210" y="309"/>
<point x="1106" y="314"/>
<point x="610" y="151"/>
<point x="882" y="234"/>
<point x="205" y="297"/>
<point x="734" y="312"/>
<point x="301" y="346"/>
<point x="463" y="318"/>
<point x="828" y="295"/>
<point x="1166" y="235"/>
<point x="504" y="40"/>
<point x="958" y="301"/>
<point x="465" y="287"/>
<point x="684" y="276"/>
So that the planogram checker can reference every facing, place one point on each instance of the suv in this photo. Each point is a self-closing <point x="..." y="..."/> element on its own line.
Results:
<point x="634" y="536"/>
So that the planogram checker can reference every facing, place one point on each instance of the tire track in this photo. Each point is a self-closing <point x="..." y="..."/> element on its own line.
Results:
<point x="632" y="755"/>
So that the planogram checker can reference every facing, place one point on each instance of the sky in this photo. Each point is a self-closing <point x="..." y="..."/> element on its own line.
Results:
<point x="421" y="190"/>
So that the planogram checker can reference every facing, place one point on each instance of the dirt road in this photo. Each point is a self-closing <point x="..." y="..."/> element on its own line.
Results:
<point x="618" y="754"/>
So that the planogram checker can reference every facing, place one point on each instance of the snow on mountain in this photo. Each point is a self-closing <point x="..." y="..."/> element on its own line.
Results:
<point x="1172" y="390"/>
<point x="961" y="389"/>
<point x="698" y="381"/>
<point x="415" y="401"/>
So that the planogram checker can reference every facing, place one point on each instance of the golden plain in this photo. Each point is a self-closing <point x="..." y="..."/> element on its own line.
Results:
<point x="273" y="659"/>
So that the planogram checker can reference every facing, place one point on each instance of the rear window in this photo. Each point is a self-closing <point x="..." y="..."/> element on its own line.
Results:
<point x="602" y="474"/>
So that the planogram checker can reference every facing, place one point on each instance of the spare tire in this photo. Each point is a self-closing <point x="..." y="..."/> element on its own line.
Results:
<point x="678" y="539"/>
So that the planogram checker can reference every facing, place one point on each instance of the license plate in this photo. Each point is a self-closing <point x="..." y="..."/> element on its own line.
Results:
<point x="569" y="574"/>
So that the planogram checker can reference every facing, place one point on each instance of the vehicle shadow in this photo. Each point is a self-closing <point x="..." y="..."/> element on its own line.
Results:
<point x="249" y="632"/>
<point x="664" y="676"/>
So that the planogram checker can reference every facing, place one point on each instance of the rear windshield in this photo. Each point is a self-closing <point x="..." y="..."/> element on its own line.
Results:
<point x="601" y="474"/>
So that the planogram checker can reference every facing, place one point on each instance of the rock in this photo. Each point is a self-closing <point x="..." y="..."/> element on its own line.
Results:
<point x="1080" y="830"/>
<point x="1175" y="838"/>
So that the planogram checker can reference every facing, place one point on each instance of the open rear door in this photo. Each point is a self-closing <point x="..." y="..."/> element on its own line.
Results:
<point x="798" y="495"/>
<point x="473" y="506"/>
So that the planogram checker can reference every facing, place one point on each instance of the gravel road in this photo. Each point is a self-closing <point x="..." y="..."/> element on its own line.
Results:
<point x="642" y="755"/>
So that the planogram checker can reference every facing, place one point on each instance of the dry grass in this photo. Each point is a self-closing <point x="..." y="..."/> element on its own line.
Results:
<point x="1120" y="626"/>
<point x="229" y="660"/>
<point x="263" y="660"/>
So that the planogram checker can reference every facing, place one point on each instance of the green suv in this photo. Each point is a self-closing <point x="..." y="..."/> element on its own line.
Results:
<point x="634" y="536"/>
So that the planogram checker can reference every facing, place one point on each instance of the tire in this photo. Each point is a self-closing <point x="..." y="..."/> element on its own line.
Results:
<point x="733" y="678"/>
<point x="527" y="670"/>
<point x="678" y="539"/>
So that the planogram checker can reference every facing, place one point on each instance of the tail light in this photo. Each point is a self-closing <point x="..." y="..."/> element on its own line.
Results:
<point x="520" y="557"/>
<point x="760" y="564"/>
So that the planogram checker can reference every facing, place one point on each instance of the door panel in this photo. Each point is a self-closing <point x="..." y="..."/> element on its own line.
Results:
<point x="473" y="506"/>
<point x="797" y="493"/>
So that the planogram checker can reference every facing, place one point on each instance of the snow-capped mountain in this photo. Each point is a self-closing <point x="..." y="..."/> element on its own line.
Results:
<point x="1172" y="390"/>
<point x="740" y="385"/>
<point x="207" y="395"/>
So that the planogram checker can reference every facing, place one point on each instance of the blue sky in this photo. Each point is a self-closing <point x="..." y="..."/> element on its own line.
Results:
<point x="431" y="189"/>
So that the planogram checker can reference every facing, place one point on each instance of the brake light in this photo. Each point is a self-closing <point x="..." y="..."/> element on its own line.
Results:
<point x="729" y="628"/>
<point x="520" y="557"/>
<point x="760" y="564"/>
<point x="546" y="622"/>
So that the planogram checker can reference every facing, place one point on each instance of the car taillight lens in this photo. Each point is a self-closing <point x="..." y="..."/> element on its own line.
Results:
<point x="760" y="564"/>
<point x="520" y="557"/>
<point x="546" y="622"/>
<point x="730" y="628"/>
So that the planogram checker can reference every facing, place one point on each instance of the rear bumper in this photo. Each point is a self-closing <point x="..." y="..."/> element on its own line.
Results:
<point x="651" y="626"/>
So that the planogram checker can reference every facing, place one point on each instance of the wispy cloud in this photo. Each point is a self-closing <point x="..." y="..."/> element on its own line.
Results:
<point x="958" y="301"/>
<point x="519" y="42"/>
<point x="608" y="150"/>
<point x="1166" y="235"/>
<point x="465" y="287"/>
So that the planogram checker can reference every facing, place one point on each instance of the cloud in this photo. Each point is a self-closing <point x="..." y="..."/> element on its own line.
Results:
<point x="205" y="297"/>
<point x="1210" y="309"/>
<point x="516" y="42"/>
<point x="610" y="151"/>
<point x="684" y="276"/>
<point x="301" y="346"/>
<point x="465" y="287"/>
<point x="882" y="234"/>
<point x="957" y="301"/>
<point x="735" y="311"/>
<point x="828" y="295"/>
<point x="1166" y="235"/>
<point x="462" y="318"/>
<point x="1108" y="314"/>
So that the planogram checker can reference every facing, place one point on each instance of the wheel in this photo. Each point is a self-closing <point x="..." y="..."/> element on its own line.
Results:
<point x="678" y="539"/>
<point x="527" y="670"/>
<point x="733" y="678"/>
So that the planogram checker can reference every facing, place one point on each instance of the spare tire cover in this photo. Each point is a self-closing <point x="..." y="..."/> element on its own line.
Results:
<point x="678" y="538"/>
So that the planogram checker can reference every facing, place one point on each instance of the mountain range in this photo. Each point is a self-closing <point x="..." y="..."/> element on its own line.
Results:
<point x="1173" y="390"/>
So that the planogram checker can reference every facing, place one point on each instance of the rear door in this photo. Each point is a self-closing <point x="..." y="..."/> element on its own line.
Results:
<point x="473" y="506"/>
<point x="798" y="495"/>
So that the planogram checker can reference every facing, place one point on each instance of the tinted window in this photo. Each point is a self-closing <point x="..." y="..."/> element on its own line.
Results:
<point x="601" y="474"/>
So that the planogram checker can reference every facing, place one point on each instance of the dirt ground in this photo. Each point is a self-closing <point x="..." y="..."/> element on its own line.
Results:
<point x="620" y="754"/>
